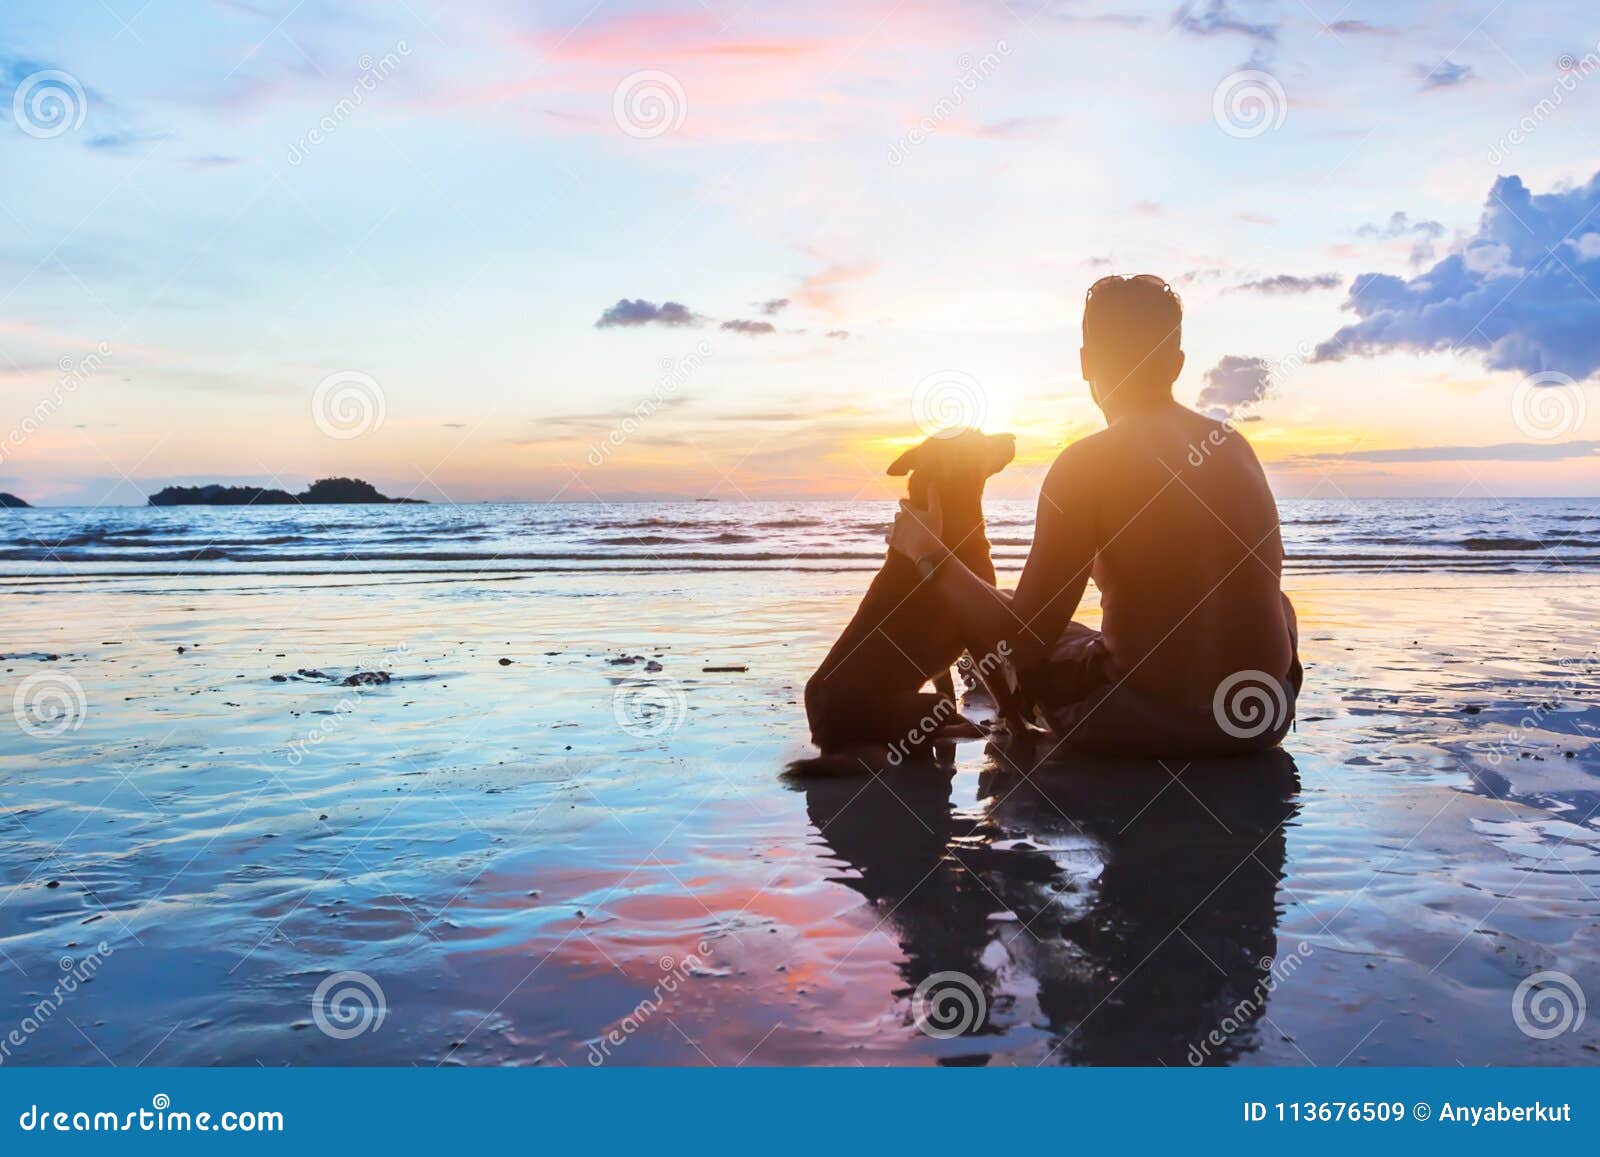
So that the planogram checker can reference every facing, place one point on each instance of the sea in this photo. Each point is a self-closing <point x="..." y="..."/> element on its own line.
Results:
<point x="1384" y="535"/>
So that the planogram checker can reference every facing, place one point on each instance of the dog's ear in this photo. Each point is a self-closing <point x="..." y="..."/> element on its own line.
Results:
<point x="907" y="462"/>
<point x="999" y="450"/>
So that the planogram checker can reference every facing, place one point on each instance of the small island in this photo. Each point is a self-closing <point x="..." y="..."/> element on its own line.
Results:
<point x="323" y="492"/>
<point x="12" y="502"/>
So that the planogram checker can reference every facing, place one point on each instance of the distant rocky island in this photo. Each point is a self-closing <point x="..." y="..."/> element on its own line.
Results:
<point x="324" y="491"/>
<point x="12" y="501"/>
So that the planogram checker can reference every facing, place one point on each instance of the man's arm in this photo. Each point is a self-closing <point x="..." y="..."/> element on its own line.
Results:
<point x="1053" y="579"/>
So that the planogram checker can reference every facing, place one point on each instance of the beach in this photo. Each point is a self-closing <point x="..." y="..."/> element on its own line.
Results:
<point x="560" y="831"/>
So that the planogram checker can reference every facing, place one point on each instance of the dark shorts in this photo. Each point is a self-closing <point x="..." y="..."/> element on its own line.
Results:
<point x="1078" y="695"/>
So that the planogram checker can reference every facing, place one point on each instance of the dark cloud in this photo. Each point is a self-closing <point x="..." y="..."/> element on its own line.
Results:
<point x="1501" y="452"/>
<point x="116" y="142"/>
<point x="1287" y="283"/>
<point x="1401" y="225"/>
<point x="1216" y="18"/>
<point x="1016" y="128"/>
<point x="774" y="306"/>
<point x="1447" y="74"/>
<point x="642" y="312"/>
<point x="1517" y="291"/>
<point x="1234" y="384"/>
<point x="1361" y="28"/>
<point x="555" y="427"/>
<point x="754" y="328"/>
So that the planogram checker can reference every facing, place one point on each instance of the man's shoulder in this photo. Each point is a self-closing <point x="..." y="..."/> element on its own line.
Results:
<point x="1088" y="447"/>
<point x="1076" y="454"/>
<point x="1079" y="464"/>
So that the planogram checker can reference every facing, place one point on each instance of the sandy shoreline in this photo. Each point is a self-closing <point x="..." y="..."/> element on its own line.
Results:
<point x="524" y="856"/>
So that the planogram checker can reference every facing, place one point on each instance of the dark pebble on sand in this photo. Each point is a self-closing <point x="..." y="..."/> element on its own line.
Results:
<point x="505" y="662"/>
<point x="652" y="667"/>
<point x="53" y="884"/>
<point x="280" y="678"/>
<point x="181" y="650"/>
<point x="1470" y="710"/>
<point x="730" y="670"/>
<point x="367" y="679"/>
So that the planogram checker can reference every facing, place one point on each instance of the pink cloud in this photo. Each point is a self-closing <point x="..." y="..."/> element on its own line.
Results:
<point x="764" y="76"/>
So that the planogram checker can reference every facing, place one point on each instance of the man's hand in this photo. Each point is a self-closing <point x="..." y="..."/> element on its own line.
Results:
<point x="916" y="533"/>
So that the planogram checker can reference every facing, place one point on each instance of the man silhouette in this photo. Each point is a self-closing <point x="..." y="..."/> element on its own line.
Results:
<point x="1171" y="515"/>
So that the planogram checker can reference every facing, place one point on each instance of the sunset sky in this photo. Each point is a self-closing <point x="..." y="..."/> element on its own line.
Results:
<point x="474" y="216"/>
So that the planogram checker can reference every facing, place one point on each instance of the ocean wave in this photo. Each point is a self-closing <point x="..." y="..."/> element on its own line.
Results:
<point x="1508" y="544"/>
<point x="847" y="536"/>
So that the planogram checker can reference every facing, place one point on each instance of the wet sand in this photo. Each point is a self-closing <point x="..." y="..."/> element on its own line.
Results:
<point x="569" y="860"/>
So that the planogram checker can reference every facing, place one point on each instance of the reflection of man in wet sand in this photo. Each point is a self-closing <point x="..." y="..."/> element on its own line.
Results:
<point x="1170" y="514"/>
<point x="1145" y="916"/>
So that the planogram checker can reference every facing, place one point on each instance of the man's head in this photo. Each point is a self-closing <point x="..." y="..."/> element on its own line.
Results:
<point x="1132" y="340"/>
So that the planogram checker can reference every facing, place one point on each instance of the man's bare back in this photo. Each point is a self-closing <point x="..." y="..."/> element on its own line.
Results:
<point x="1175" y="513"/>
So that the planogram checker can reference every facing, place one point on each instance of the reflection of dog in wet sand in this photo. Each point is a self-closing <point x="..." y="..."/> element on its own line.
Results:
<point x="869" y="690"/>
